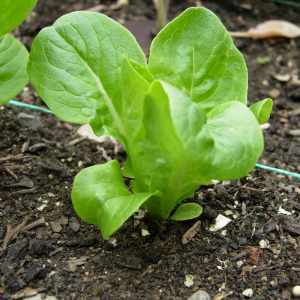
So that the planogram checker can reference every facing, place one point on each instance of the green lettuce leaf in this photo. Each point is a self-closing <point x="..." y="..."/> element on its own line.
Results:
<point x="100" y="197"/>
<point x="187" y="211"/>
<point x="75" y="65"/>
<point x="195" y="53"/>
<point x="13" y="13"/>
<point x="180" y="147"/>
<point x="13" y="64"/>
<point x="262" y="110"/>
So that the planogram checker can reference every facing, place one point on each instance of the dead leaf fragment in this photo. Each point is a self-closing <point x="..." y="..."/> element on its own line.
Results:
<point x="270" y="29"/>
<point x="87" y="132"/>
<point x="190" y="233"/>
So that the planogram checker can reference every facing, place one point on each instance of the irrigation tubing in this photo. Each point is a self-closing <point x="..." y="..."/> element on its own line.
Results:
<point x="258" y="165"/>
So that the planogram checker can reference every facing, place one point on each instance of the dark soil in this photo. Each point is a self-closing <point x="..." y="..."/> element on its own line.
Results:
<point x="63" y="257"/>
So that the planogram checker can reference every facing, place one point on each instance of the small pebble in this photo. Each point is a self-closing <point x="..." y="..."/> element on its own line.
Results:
<point x="248" y="293"/>
<point x="264" y="244"/>
<point x="296" y="291"/>
<point x="145" y="232"/>
<point x="220" y="222"/>
<point x="56" y="227"/>
<point x="239" y="263"/>
<point x="74" y="224"/>
<point x="189" y="280"/>
<point x="200" y="295"/>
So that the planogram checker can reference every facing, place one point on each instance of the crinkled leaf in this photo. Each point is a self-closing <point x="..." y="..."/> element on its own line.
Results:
<point x="180" y="147"/>
<point x="187" y="211"/>
<point x="262" y="110"/>
<point x="75" y="65"/>
<point x="13" y="64"/>
<point x="159" y="160"/>
<point x="230" y="143"/>
<point x="100" y="197"/>
<point x="226" y="143"/>
<point x="196" y="53"/>
<point x="13" y="13"/>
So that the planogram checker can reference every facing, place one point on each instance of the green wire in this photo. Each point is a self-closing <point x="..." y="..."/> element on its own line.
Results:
<point x="29" y="106"/>
<point x="258" y="166"/>
<point x="278" y="171"/>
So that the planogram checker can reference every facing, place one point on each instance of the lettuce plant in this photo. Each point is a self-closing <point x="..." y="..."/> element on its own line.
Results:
<point x="13" y="55"/>
<point x="181" y="116"/>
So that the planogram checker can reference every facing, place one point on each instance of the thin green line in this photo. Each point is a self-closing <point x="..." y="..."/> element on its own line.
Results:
<point x="29" y="106"/>
<point x="258" y="166"/>
<point x="278" y="171"/>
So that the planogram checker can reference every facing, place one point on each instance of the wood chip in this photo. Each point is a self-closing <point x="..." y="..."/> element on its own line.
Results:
<point x="191" y="233"/>
<point x="25" y="293"/>
<point x="291" y="226"/>
<point x="282" y="77"/>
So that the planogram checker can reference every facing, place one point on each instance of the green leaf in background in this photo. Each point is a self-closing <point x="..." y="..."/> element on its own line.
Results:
<point x="75" y="65"/>
<point x="13" y="64"/>
<point x="262" y="110"/>
<point x="195" y="53"/>
<point x="187" y="211"/>
<point x="100" y="197"/>
<point x="13" y="13"/>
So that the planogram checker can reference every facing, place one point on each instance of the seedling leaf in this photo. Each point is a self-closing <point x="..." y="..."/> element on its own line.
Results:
<point x="187" y="211"/>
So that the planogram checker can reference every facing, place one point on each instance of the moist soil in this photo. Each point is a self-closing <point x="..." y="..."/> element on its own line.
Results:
<point x="46" y="249"/>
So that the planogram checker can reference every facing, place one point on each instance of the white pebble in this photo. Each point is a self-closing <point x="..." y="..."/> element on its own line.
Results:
<point x="220" y="222"/>
<point x="145" y="232"/>
<point x="296" y="291"/>
<point x="264" y="244"/>
<point x="200" y="295"/>
<point x="282" y="211"/>
<point x="248" y="293"/>
<point x="189" y="280"/>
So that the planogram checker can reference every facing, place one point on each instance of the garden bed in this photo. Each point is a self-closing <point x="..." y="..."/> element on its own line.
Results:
<point x="63" y="257"/>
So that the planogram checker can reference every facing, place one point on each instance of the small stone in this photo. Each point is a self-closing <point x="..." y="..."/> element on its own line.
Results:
<point x="29" y="121"/>
<point x="200" y="295"/>
<point x="264" y="244"/>
<point x="296" y="291"/>
<point x="274" y="93"/>
<point x="63" y="220"/>
<point x="74" y="224"/>
<point x="145" y="232"/>
<point x="56" y="227"/>
<point x="220" y="222"/>
<point x="35" y="297"/>
<point x="40" y="247"/>
<point x="294" y="132"/>
<point x="189" y="280"/>
<point x="50" y="298"/>
<point x="282" y="211"/>
<point x="265" y="126"/>
<point x="282" y="77"/>
<point x="274" y="283"/>
<point x="41" y="207"/>
<point x="239" y="263"/>
<point x="228" y="212"/>
<point x="248" y="293"/>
